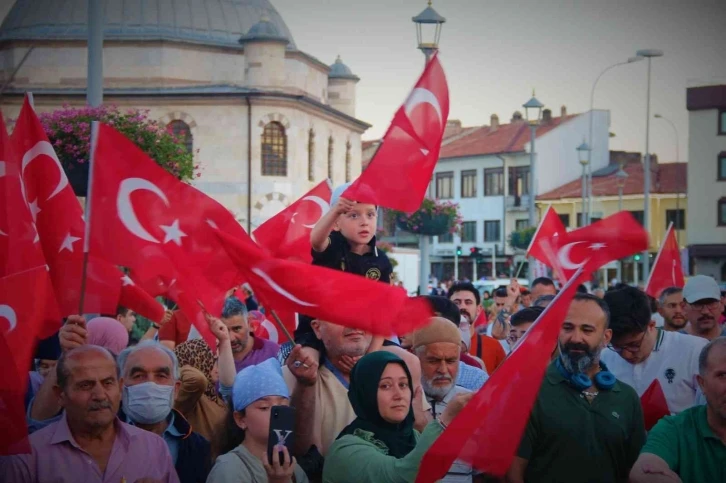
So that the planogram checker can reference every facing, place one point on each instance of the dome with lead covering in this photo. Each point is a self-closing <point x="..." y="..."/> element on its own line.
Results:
<point x="341" y="71"/>
<point x="207" y="22"/>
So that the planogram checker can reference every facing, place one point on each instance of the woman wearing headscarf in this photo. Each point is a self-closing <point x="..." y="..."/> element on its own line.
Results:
<point x="108" y="333"/>
<point x="198" y="399"/>
<point x="381" y="445"/>
<point x="256" y="389"/>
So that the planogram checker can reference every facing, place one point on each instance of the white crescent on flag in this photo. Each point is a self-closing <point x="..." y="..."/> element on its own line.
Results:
<point x="126" y="211"/>
<point x="8" y="313"/>
<point x="324" y="208"/>
<point x="566" y="261"/>
<point x="422" y="96"/>
<point x="44" y="148"/>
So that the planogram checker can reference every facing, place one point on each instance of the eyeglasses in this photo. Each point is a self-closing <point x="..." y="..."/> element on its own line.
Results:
<point x="633" y="347"/>
<point x="708" y="305"/>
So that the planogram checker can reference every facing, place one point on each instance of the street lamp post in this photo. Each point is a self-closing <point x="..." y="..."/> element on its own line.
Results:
<point x="583" y="152"/>
<point x="428" y="31"/>
<point x="649" y="54"/>
<point x="621" y="176"/>
<point x="678" y="195"/>
<point x="589" y="138"/>
<point x="533" y="113"/>
<point x="94" y="81"/>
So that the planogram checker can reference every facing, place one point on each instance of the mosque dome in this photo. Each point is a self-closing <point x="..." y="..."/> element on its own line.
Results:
<point x="341" y="71"/>
<point x="264" y="30"/>
<point x="207" y="22"/>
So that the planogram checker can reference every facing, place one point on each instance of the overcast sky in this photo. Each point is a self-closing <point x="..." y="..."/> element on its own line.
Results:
<point x="495" y="51"/>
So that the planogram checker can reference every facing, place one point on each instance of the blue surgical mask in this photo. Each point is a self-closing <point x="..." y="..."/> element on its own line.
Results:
<point x="147" y="403"/>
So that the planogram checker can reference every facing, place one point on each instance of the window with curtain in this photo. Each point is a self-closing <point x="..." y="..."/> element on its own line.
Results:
<point x="521" y="224"/>
<point x="445" y="185"/>
<point x="493" y="182"/>
<point x="182" y="131"/>
<point x="518" y="180"/>
<point x="311" y="155"/>
<point x="492" y="231"/>
<point x="677" y="217"/>
<point x="468" y="232"/>
<point x="468" y="183"/>
<point x="722" y="166"/>
<point x="330" y="158"/>
<point x="274" y="150"/>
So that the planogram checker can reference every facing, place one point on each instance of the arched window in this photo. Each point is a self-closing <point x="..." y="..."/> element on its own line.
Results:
<point x="311" y="155"/>
<point x="274" y="150"/>
<point x="347" y="162"/>
<point x="330" y="158"/>
<point x="182" y="131"/>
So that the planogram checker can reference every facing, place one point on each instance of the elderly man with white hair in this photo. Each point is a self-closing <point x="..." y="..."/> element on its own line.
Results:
<point x="150" y="376"/>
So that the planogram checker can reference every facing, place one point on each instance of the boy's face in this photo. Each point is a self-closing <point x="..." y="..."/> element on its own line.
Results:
<point x="359" y="224"/>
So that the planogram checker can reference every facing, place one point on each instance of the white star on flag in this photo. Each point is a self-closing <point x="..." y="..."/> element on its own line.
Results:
<point x="173" y="233"/>
<point x="34" y="210"/>
<point x="127" y="281"/>
<point x="597" y="246"/>
<point x="68" y="243"/>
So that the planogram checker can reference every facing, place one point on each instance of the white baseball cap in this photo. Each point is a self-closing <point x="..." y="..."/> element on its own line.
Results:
<point x="701" y="287"/>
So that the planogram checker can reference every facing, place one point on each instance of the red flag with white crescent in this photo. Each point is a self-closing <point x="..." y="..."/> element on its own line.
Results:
<point x="399" y="173"/>
<point x="667" y="270"/>
<point x="287" y="234"/>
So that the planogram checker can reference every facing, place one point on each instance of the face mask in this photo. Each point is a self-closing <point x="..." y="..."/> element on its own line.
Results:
<point x="147" y="403"/>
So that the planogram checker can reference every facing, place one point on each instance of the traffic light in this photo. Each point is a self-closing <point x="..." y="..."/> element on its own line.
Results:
<point x="636" y="258"/>
<point x="458" y="251"/>
<point x="475" y="252"/>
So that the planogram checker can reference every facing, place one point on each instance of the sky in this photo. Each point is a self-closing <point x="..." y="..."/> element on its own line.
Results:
<point x="495" y="52"/>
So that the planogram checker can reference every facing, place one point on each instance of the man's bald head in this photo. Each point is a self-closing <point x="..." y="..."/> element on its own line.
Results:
<point x="79" y="355"/>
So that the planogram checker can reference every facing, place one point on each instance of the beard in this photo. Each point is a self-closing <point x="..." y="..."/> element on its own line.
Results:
<point x="579" y="363"/>
<point x="436" y="392"/>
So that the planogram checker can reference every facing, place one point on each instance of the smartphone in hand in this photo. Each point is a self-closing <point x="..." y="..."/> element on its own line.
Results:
<point x="282" y="421"/>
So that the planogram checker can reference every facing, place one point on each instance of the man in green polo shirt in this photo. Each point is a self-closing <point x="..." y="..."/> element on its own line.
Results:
<point x="585" y="426"/>
<point x="691" y="446"/>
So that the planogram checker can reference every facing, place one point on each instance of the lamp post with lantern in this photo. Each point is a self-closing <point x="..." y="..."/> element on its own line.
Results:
<point x="620" y="177"/>
<point x="533" y="114"/>
<point x="583" y="152"/>
<point x="428" y="31"/>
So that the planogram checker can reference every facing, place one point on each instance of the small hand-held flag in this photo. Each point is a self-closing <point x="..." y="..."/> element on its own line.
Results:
<point x="667" y="270"/>
<point x="654" y="404"/>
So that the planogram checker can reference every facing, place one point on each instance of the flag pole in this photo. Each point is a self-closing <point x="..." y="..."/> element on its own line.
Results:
<point x="87" y="214"/>
<point x="521" y="264"/>
<point x="282" y="326"/>
<point x="660" y="250"/>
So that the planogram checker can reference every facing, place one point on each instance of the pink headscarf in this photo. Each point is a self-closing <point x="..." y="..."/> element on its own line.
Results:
<point x="108" y="333"/>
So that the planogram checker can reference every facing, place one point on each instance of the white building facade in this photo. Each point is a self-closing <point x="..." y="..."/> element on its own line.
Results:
<point x="266" y="121"/>
<point x="486" y="171"/>
<point x="706" y="213"/>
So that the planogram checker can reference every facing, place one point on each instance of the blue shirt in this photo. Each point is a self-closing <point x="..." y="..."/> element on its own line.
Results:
<point x="171" y="436"/>
<point x="470" y="377"/>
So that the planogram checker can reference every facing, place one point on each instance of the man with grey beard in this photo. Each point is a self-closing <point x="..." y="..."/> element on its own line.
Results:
<point x="438" y="347"/>
<point x="585" y="424"/>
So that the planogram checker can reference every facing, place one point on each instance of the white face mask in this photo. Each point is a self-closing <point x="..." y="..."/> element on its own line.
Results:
<point x="147" y="403"/>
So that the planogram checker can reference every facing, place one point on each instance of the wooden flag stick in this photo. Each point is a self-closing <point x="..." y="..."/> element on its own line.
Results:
<point x="521" y="264"/>
<point x="282" y="326"/>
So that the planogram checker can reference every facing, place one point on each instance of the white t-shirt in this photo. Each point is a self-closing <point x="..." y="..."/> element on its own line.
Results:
<point x="459" y="472"/>
<point x="674" y="362"/>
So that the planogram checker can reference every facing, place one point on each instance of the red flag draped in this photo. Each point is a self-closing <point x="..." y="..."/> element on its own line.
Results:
<point x="550" y="226"/>
<point x="487" y="432"/>
<point x="654" y="404"/>
<point x="298" y="287"/>
<point x="13" y="384"/>
<point x="595" y="245"/>
<point x="145" y="219"/>
<point x="287" y="234"/>
<point x="667" y="270"/>
<point x="409" y="149"/>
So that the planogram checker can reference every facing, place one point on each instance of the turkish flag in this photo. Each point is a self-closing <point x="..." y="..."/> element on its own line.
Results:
<point x="265" y="327"/>
<point x="595" y="245"/>
<point x="654" y="404"/>
<point x="667" y="270"/>
<point x="135" y="298"/>
<point x="145" y="219"/>
<point x="338" y="297"/>
<point x="550" y="226"/>
<point x="399" y="173"/>
<point x="59" y="219"/>
<point x="487" y="432"/>
<point x="287" y="234"/>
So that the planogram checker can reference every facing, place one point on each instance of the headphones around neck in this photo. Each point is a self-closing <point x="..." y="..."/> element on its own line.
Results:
<point x="604" y="379"/>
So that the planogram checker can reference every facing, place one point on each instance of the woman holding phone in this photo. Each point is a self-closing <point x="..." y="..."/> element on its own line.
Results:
<point x="381" y="445"/>
<point x="256" y="392"/>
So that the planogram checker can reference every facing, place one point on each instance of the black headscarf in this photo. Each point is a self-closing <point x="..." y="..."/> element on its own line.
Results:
<point x="400" y="439"/>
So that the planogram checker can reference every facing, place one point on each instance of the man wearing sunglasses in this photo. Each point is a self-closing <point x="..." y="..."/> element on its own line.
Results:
<point x="640" y="352"/>
<point x="703" y="307"/>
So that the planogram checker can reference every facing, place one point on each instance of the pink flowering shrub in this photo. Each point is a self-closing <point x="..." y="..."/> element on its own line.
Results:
<point x="69" y="131"/>
<point x="434" y="217"/>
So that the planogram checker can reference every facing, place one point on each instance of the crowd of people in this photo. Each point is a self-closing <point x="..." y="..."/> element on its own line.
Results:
<point x="172" y="408"/>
